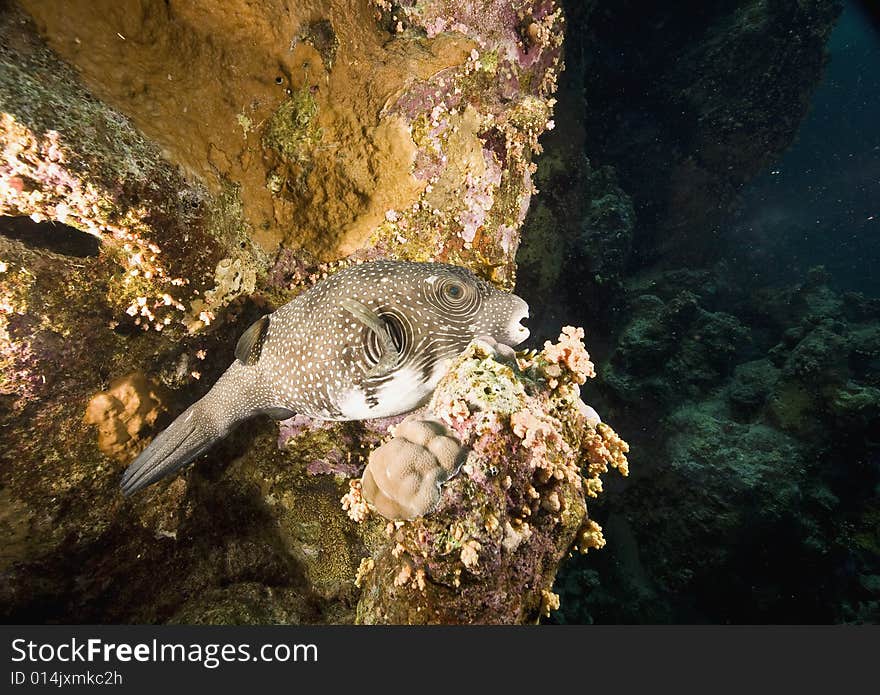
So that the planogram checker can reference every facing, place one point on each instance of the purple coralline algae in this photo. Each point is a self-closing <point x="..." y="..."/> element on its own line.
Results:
<point x="476" y="127"/>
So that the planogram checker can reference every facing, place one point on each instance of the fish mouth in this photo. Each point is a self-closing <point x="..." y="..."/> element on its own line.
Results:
<point x="516" y="332"/>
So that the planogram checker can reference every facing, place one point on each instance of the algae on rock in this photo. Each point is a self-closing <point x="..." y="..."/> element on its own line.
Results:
<point x="490" y="551"/>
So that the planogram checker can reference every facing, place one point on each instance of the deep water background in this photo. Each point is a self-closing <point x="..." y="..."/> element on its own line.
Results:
<point x="820" y="204"/>
<point x="709" y="212"/>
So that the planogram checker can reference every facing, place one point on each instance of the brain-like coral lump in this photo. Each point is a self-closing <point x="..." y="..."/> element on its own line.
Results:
<point x="403" y="478"/>
<point x="489" y="550"/>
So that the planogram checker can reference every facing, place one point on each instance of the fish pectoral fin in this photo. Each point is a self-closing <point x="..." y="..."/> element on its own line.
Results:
<point x="390" y="354"/>
<point x="386" y="364"/>
<point x="278" y="412"/>
<point x="370" y="319"/>
<point x="250" y="345"/>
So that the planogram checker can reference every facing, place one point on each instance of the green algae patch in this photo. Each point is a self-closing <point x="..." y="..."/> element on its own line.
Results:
<point x="293" y="131"/>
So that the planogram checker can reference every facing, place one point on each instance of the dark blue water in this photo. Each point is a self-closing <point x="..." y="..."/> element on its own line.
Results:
<point x="801" y="543"/>
<point x="820" y="203"/>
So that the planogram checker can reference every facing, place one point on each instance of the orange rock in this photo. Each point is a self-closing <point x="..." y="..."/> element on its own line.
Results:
<point x="124" y="413"/>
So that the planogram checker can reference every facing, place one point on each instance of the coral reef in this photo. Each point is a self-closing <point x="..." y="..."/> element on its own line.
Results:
<point x="665" y="112"/>
<point x="689" y="101"/>
<point x="489" y="551"/>
<point x="155" y="232"/>
<point x="475" y="128"/>
<point x="435" y="150"/>
<point x="768" y="436"/>
<point x="756" y="400"/>
<point x="172" y="171"/>
<point x="183" y="172"/>
<point x="697" y="346"/>
<point x="74" y="319"/>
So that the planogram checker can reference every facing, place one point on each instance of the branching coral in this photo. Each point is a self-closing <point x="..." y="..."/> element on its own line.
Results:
<point x="36" y="180"/>
<point x="66" y="157"/>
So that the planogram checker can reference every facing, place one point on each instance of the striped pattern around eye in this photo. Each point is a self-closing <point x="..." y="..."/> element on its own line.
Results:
<point x="442" y="294"/>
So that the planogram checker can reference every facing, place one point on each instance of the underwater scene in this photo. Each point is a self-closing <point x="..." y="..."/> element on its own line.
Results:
<point x="439" y="312"/>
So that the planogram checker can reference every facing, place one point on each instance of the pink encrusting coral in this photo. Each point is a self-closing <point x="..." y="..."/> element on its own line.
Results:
<point x="37" y="180"/>
<point x="490" y="549"/>
<point x="476" y="128"/>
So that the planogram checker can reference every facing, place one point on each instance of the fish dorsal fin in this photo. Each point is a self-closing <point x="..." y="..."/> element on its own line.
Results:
<point x="250" y="345"/>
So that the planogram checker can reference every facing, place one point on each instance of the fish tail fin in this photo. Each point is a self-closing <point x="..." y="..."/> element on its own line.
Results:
<point x="186" y="438"/>
<point x="195" y="430"/>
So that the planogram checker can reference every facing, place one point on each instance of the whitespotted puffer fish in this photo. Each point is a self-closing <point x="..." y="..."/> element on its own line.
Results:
<point x="370" y="341"/>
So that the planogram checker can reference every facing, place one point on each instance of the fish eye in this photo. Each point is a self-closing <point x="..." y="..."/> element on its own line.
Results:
<point x="454" y="290"/>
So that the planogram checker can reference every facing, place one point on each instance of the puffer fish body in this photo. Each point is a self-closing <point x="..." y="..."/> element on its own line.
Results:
<point x="370" y="341"/>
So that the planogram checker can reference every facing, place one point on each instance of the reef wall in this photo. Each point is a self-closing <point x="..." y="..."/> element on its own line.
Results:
<point x="170" y="171"/>
<point x="405" y="128"/>
<point x="173" y="170"/>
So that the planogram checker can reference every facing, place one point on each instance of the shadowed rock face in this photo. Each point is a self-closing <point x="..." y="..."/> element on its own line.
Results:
<point x="665" y="113"/>
<point x="691" y="101"/>
<point x="51" y="236"/>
